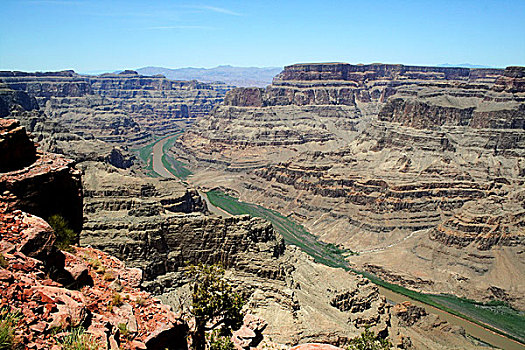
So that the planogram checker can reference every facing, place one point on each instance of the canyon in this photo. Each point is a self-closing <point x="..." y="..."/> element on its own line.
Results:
<point x="418" y="169"/>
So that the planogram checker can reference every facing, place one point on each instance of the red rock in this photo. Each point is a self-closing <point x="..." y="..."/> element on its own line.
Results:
<point x="314" y="346"/>
<point x="5" y="275"/>
<point x="137" y="345"/>
<point x="124" y="314"/>
<point x="40" y="327"/>
<point x="78" y="270"/>
<point x="39" y="240"/>
<point x="255" y="323"/>
<point x="131" y="276"/>
<point x="113" y="344"/>
<point x="70" y="304"/>
<point x="249" y="335"/>
<point x="99" y="328"/>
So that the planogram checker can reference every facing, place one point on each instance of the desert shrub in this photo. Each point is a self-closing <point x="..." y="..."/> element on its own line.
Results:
<point x="368" y="340"/>
<point x="65" y="236"/>
<point x="78" y="339"/>
<point x="117" y="300"/>
<point x="8" y="321"/>
<point x="97" y="265"/>
<point x="3" y="261"/>
<point x="123" y="330"/>
<point x="218" y="342"/>
<point x="109" y="276"/>
<point x="215" y="305"/>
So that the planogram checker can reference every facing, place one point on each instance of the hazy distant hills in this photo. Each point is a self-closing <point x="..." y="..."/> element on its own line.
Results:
<point x="463" y="65"/>
<point x="238" y="76"/>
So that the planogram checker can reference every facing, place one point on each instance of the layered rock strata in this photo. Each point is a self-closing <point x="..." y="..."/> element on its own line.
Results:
<point x="53" y="136"/>
<point x="159" y="225"/>
<point x="50" y="293"/>
<point x="123" y="107"/>
<point x="44" y="184"/>
<point x="375" y="157"/>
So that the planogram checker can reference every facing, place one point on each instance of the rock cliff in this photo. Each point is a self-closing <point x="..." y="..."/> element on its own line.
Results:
<point x="161" y="226"/>
<point x="380" y="158"/>
<point x="49" y="293"/>
<point x="116" y="107"/>
<point x="44" y="184"/>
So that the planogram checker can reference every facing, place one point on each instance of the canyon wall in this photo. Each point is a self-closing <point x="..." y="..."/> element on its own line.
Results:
<point x="161" y="226"/>
<point x="384" y="159"/>
<point x="119" y="108"/>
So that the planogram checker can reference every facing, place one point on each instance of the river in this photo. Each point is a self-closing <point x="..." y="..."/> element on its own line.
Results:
<point x="471" y="328"/>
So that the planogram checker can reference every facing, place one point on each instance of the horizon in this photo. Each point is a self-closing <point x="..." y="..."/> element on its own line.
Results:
<point x="106" y="36"/>
<point x="117" y="71"/>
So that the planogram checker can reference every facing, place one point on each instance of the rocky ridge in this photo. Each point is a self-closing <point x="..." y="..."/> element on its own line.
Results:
<point x="99" y="117"/>
<point x="116" y="107"/>
<point x="53" y="292"/>
<point x="156" y="224"/>
<point x="49" y="309"/>
<point x="44" y="184"/>
<point x="378" y="157"/>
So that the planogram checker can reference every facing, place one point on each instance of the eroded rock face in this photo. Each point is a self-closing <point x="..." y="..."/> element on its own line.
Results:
<point x="48" y="305"/>
<point x="122" y="108"/>
<point x="47" y="187"/>
<point x="408" y="314"/>
<point x="159" y="226"/>
<point x="380" y="158"/>
<point x="53" y="136"/>
<point x="16" y="150"/>
<point x="303" y="307"/>
<point x="44" y="184"/>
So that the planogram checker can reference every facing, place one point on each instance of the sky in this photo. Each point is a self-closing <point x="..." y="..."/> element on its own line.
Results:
<point x="94" y="35"/>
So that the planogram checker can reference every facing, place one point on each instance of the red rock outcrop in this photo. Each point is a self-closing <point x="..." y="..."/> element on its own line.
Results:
<point x="314" y="346"/>
<point x="250" y="334"/>
<point x="57" y="291"/>
<point x="44" y="184"/>
<point x="16" y="150"/>
<point x="129" y="318"/>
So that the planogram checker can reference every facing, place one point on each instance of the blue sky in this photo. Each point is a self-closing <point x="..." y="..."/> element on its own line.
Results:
<point x="88" y="35"/>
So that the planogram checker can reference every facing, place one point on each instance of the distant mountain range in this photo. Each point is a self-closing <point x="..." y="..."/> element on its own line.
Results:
<point x="230" y="75"/>
<point x="238" y="76"/>
<point x="463" y="65"/>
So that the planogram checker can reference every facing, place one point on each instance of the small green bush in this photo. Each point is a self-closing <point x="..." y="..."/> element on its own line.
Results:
<point x="8" y="321"/>
<point x="3" y="261"/>
<point x="78" y="339"/>
<point x="109" y="276"/>
<point x="123" y="330"/>
<point x="218" y="342"/>
<point x="97" y="266"/>
<point x="117" y="300"/>
<point x="65" y="236"/>
<point x="368" y="340"/>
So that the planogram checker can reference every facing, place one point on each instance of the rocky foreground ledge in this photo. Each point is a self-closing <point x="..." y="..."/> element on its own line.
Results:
<point x="106" y="300"/>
